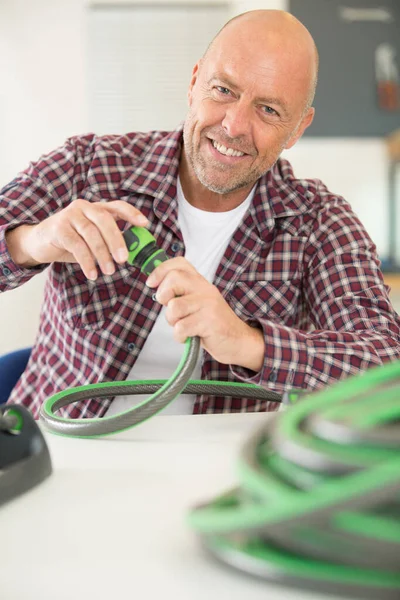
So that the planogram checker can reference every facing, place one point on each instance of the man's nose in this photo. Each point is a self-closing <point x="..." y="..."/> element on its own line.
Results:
<point x="237" y="120"/>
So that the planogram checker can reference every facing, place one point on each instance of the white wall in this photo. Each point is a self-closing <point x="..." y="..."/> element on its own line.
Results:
<point x="43" y="100"/>
<point x="353" y="168"/>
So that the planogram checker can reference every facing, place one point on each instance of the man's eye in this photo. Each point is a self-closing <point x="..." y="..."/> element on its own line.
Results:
<point x="223" y="90"/>
<point x="269" y="111"/>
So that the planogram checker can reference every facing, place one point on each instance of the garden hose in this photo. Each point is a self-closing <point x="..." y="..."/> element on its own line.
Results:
<point x="318" y="505"/>
<point x="318" y="501"/>
<point x="145" y="254"/>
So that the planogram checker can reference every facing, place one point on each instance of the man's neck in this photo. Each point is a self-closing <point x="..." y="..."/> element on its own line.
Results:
<point x="200" y="197"/>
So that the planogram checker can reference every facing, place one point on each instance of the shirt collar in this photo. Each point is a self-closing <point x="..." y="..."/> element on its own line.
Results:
<point x="278" y="193"/>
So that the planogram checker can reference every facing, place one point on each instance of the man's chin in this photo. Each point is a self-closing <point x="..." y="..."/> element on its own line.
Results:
<point x="215" y="180"/>
<point x="218" y="186"/>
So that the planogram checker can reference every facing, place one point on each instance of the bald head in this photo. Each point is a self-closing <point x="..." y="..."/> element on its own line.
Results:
<point x="249" y="98"/>
<point x="263" y="29"/>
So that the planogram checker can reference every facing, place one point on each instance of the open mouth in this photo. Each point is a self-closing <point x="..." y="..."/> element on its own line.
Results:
<point x="226" y="153"/>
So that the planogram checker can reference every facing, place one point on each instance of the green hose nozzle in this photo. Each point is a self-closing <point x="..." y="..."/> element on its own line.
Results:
<point x="143" y="250"/>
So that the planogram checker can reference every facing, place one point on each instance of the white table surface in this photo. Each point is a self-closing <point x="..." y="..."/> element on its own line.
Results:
<point x="110" y="521"/>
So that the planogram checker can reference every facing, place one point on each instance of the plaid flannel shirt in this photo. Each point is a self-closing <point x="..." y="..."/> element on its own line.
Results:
<point x="300" y="266"/>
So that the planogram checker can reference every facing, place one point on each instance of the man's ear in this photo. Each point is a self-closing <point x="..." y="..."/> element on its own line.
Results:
<point x="193" y="80"/>
<point x="305" y="122"/>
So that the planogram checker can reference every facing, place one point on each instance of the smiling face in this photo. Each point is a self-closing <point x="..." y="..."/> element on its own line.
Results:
<point x="248" y="101"/>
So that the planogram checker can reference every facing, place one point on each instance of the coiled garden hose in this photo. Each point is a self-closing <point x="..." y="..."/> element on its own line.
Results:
<point x="318" y="503"/>
<point x="145" y="254"/>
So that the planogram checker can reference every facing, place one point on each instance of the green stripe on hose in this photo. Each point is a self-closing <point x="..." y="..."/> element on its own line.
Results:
<point x="126" y="419"/>
<point x="318" y="501"/>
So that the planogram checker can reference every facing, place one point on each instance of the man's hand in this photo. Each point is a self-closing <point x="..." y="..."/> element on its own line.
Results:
<point x="195" y="307"/>
<point x="84" y="232"/>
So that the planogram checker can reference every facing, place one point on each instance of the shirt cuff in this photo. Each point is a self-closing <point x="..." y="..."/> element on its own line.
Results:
<point x="285" y="360"/>
<point x="11" y="274"/>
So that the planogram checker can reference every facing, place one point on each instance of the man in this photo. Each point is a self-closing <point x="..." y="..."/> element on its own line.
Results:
<point x="280" y="280"/>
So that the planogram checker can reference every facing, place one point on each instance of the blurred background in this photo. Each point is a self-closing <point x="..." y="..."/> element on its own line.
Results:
<point x="73" y="66"/>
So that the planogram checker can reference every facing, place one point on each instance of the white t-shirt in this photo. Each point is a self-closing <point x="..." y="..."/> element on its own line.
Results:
<point x="206" y="236"/>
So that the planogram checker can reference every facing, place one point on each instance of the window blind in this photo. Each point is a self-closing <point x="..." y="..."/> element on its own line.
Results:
<point x="140" y="60"/>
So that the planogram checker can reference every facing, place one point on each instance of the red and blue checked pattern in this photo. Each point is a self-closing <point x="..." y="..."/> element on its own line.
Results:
<point x="301" y="266"/>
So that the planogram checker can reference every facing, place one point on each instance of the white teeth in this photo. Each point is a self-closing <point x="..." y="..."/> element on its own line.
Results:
<point x="225" y="150"/>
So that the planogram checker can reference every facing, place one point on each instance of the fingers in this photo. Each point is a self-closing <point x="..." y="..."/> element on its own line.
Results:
<point x="179" y="308"/>
<point x="102" y="235"/>
<point x="111" y="242"/>
<point x="186" y="328"/>
<point x="196" y="308"/>
<point x="83" y="232"/>
<point x="163" y="270"/>
<point x="99" y="240"/>
<point x="176" y="281"/>
<point x="190" y="299"/>
<point x="78" y="251"/>
<point x="126" y="212"/>
<point x="187" y="316"/>
<point x="195" y="315"/>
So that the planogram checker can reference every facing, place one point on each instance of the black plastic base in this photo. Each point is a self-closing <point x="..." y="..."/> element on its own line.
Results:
<point x="24" y="456"/>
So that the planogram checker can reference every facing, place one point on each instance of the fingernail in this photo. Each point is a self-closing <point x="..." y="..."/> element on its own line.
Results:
<point x="150" y="281"/>
<point x="93" y="275"/>
<point x="109" y="268"/>
<point x="142" y="220"/>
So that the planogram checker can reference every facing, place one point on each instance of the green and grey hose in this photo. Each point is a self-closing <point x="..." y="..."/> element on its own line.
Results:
<point x="318" y="505"/>
<point x="145" y="254"/>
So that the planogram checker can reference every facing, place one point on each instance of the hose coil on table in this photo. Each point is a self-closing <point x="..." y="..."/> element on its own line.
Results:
<point x="318" y="506"/>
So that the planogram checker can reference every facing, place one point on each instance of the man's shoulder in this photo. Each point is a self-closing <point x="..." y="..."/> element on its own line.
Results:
<point x="132" y="144"/>
<point x="311" y="205"/>
<point x="308" y="193"/>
